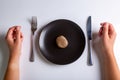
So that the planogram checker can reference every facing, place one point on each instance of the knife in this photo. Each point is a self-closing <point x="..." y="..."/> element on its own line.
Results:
<point x="89" y="36"/>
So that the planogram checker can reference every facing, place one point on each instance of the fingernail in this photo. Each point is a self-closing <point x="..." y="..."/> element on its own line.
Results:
<point x="18" y="27"/>
<point x="101" y="24"/>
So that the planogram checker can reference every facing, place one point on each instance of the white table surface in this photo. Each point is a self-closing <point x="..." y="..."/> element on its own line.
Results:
<point x="19" y="12"/>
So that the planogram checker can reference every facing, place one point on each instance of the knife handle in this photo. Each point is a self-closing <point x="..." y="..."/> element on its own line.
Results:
<point x="89" y="53"/>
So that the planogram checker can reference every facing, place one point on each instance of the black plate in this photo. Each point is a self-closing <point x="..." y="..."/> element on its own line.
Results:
<point x="74" y="35"/>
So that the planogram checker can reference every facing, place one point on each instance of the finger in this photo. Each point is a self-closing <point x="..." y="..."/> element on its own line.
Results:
<point x="105" y="29"/>
<point x="111" y="32"/>
<point x="10" y="32"/>
<point x="21" y="36"/>
<point x="18" y="28"/>
<point x="18" y="33"/>
<point x="102" y="23"/>
<point x="110" y="25"/>
<point x="111" y="28"/>
<point x="100" y="31"/>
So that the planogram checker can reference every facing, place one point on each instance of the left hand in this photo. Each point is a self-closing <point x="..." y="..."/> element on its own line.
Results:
<point x="14" y="40"/>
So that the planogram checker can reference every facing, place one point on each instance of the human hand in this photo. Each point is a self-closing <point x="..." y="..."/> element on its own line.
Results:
<point x="14" y="40"/>
<point x="107" y="35"/>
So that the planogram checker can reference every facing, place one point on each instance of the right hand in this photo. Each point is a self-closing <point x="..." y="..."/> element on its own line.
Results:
<point x="107" y="35"/>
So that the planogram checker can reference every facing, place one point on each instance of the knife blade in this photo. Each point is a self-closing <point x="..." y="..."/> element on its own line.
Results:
<point x="89" y="36"/>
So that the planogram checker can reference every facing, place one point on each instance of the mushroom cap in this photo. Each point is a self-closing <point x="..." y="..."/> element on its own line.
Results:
<point x="61" y="41"/>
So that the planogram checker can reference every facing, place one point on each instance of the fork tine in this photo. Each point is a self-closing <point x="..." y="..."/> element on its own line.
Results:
<point x="34" y="22"/>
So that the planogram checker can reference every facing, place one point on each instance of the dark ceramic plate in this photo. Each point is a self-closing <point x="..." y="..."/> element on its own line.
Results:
<point x="74" y="35"/>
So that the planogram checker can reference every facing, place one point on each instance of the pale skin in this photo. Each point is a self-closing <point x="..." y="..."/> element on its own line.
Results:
<point x="14" y="40"/>
<point x="107" y="36"/>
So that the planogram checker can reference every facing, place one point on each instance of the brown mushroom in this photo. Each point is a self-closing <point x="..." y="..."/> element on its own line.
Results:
<point x="61" y="41"/>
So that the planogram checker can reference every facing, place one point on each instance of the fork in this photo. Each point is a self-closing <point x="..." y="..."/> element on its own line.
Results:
<point x="33" y="29"/>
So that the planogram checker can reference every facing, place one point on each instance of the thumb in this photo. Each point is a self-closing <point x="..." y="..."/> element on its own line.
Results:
<point x="105" y="29"/>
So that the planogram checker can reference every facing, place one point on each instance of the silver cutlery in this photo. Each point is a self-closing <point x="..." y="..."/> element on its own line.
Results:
<point x="89" y="35"/>
<point x="33" y="29"/>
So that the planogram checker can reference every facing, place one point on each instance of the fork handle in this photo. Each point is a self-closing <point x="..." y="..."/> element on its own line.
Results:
<point x="32" y="50"/>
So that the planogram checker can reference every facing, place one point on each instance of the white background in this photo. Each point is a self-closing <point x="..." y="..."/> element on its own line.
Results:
<point x="19" y="12"/>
